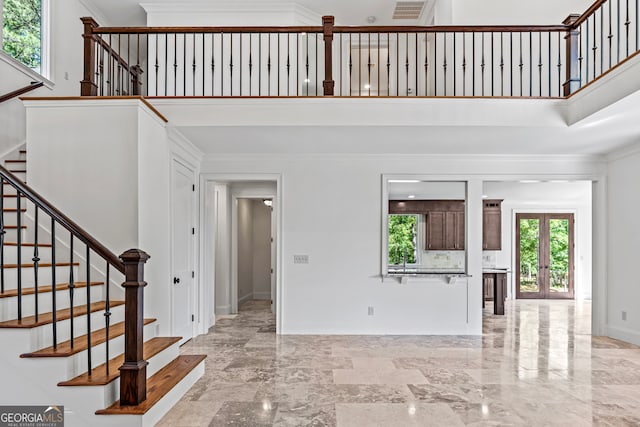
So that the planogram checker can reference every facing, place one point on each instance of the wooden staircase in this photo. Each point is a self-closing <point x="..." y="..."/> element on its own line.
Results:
<point x="64" y="323"/>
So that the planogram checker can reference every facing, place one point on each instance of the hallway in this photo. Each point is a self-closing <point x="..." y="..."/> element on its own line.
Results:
<point x="537" y="365"/>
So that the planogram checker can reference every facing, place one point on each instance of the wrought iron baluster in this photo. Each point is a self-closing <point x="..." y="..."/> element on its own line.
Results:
<point x="454" y="63"/>
<point x="444" y="62"/>
<point x="530" y="63"/>
<point x="184" y="65"/>
<point x="203" y="64"/>
<point x="359" y="64"/>
<point x="388" y="65"/>
<point x="595" y="46"/>
<point x="511" y="63"/>
<point x="317" y="65"/>
<point x="501" y="64"/>
<point x="602" y="39"/>
<point x="369" y="63"/>
<point x="251" y="60"/>
<point x="71" y="287"/>
<point x="397" y="65"/>
<point x="482" y="65"/>
<point x="350" y="64"/>
<point x="269" y="64"/>
<point x="406" y="40"/>
<point x="166" y="63"/>
<point x="540" y="63"/>
<point x="194" y="65"/>
<point x="213" y="65"/>
<point x="2" y="234"/>
<point x="627" y="22"/>
<point x="221" y="64"/>
<point x="618" y="32"/>
<point x="473" y="64"/>
<point x="587" y="42"/>
<point x="610" y="36"/>
<point x="521" y="65"/>
<point x="426" y="66"/>
<point x="297" y="65"/>
<point x="157" y="66"/>
<point x="307" y="80"/>
<point x="54" y="284"/>
<point x="549" y="65"/>
<point x="36" y="260"/>
<point x="278" y="65"/>
<point x="464" y="64"/>
<point x="175" y="64"/>
<point x="559" y="66"/>
<point x="231" y="64"/>
<point x="289" y="63"/>
<point x="129" y="80"/>
<point x="19" y="244"/>
<point x="435" y="63"/>
<point x="88" y="278"/>
<point x="107" y="316"/>
<point x="580" y="58"/>
<point x="492" y="64"/>
<point x="378" y="64"/>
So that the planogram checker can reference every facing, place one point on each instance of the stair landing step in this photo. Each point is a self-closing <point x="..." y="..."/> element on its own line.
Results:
<point x="80" y="343"/>
<point x="41" y="265"/>
<point x="99" y="374"/>
<point x="47" y="318"/>
<point x="158" y="386"/>
<point x="44" y="289"/>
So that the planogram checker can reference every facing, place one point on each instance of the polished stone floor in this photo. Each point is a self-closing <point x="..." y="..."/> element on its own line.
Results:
<point x="536" y="366"/>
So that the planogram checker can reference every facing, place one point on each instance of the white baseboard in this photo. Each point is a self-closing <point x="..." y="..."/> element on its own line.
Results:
<point x="223" y="310"/>
<point x="624" y="334"/>
<point x="262" y="295"/>
<point x="244" y="298"/>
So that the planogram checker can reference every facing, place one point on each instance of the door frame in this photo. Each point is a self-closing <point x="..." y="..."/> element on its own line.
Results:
<point x="544" y="215"/>
<point x="208" y="238"/>
<point x="176" y="159"/>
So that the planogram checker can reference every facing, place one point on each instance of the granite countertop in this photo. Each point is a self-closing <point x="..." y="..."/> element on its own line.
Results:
<point x="495" y="270"/>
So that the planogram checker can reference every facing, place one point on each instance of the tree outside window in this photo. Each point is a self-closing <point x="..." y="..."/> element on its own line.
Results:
<point x="402" y="239"/>
<point x="21" y="31"/>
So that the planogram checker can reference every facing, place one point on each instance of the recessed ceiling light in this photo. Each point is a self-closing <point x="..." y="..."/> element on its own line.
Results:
<point x="367" y="86"/>
<point x="411" y="196"/>
<point x="529" y="181"/>
<point x="484" y="196"/>
<point x="403" y="181"/>
<point x="371" y="19"/>
<point x="307" y="80"/>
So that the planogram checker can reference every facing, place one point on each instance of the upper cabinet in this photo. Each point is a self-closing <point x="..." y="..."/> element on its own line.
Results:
<point x="492" y="225"/>
<point x="445" y="222"/>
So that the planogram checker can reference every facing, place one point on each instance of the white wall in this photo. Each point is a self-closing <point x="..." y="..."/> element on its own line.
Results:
<point x="245" y="250"/>
<point x="332" y="212"/>
<point x="261" y="268"/>
<point x="542" y="197"/>
<point x="222" y="232"/>
<point x="497" y="12"/>
<point x="105" y="164"/>
<point x="623" y="235"/>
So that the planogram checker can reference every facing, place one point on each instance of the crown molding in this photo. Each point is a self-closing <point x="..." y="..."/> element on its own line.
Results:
<point x="230" y="7"/>
<point x="95" y="12"/>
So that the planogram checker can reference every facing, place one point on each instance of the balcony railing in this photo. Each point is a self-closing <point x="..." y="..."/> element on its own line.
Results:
<point x="328" y="60"/>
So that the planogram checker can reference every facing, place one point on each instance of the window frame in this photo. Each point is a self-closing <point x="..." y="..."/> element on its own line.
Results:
<point x="44" y="74"/>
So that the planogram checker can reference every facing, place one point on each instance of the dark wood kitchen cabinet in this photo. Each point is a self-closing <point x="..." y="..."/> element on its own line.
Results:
<point x="494" y="289"/>
<point x="492" y="225"/>
<point x="445" y="231"/>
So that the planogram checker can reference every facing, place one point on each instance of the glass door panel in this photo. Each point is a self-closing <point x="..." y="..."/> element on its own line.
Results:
<point x="529" y="255"/>
<point x="559" y="255"/>
<point x="544" y="255"/>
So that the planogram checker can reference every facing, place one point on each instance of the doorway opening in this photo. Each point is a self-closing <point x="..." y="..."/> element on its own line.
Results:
<point x="545" y="252"/>
<point x="254" y="252"/>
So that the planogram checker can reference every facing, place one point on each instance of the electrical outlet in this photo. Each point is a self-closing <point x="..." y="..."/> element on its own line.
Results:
<point x="301" y="259"/>
<point x="370" y="311"/>
<point x="624" y="315"/>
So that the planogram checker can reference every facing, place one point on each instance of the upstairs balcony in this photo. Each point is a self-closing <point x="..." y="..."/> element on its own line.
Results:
<point x="550" y="61"/>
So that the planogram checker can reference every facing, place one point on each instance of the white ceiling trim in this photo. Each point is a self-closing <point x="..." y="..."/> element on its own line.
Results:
<point x="226" y="7"/>
<point x="96" y="13"/>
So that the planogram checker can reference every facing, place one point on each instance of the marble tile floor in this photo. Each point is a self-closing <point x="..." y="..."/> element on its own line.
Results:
<point x="536" y="366"/>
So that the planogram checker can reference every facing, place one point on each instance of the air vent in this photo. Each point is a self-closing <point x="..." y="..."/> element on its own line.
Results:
<point x="408" y="10"/>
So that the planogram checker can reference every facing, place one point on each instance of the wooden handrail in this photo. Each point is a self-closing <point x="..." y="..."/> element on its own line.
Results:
<point x="588" y="13"/>
<point x="62" y="219"/>
<point x="15" y="93"/>
<point x="206" y="30"/>
<point x="452" y="29"/>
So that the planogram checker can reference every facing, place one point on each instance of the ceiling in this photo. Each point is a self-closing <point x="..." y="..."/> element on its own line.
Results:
<point x="351" y="12"/>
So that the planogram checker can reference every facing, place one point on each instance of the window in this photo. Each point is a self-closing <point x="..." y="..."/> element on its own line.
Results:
<point x="22" y="32"/>
<point x="403" y="241"/>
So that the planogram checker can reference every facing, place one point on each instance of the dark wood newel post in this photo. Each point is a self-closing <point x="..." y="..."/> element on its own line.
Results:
<point x="136" y="80"/>
<point x="327" y="27"/>
<point x="88" y="86"/>
<point x="133" y="373"/>
<point x="572" y="39"/>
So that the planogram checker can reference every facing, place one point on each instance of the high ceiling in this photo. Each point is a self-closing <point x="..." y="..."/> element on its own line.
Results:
<point x="347" y="12"/>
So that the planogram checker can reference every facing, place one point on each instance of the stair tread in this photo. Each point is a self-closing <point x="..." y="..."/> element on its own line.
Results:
<point x="64" y="314"/>
<point x="40" y="245"/>
<point x="158" y="385"/>
<point x="44" y="289"/>
<point x="14" y="209"/>
<point x="13" y="227"/>
<point x="80" y="344"/>
<point x="18" y="171"/>
<point x="41" y="265"/>
<point x="99" y="373"/>
<point x="16" y="161"/>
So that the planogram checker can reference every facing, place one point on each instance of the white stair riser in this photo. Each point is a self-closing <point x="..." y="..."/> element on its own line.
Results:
<point x="27" y="252"/>
<point x="42" y="336"/>
<point x="11" y="202"/>
<point x="9" y="306"/>
<point x="11" y="234"/>
<point x="11" y="218"/>
<point x="44" y="276"/>
<point x="66" y="368"/>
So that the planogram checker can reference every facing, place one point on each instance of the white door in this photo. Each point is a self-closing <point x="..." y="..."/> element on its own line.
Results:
<point x="182" y="205"/>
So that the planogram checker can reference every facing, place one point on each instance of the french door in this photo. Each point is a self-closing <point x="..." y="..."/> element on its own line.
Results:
<point x="544" y="255"/>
